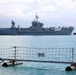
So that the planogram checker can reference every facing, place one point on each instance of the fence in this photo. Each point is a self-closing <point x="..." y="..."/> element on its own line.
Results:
<point x="32" y="54"/>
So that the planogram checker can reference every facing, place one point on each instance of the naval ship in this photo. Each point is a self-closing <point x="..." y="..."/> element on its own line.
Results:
<point x="36" y="29"/>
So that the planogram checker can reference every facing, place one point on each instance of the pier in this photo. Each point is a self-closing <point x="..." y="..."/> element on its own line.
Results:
<point x="15" y="55"/>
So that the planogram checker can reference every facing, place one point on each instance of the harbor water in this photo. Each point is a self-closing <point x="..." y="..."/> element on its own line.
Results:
<point x="36" y="68"/>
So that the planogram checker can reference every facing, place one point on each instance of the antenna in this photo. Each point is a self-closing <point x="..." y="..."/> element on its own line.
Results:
<point x="36" y="16"/>
<point x="73" y="0"/>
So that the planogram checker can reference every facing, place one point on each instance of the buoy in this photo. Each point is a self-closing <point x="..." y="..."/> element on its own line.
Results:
<point x="4" y="64"/>
<point x="72" y="67"/>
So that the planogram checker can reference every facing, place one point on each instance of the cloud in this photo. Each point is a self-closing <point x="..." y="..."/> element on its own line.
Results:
<point x="20" y="7"/>
<point x="66" y="4"/>
<point x="16" y="1"/>
<point x="52" y="9"/>
<point x="44" y="2"/>
<point x="12" y="9"/>
<point x="58" y="8"/>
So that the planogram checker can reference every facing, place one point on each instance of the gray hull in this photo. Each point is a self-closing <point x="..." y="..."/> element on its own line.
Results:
<point x="15" y="31"/>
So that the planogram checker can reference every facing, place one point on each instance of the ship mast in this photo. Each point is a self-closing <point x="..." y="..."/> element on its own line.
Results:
<point x="36" y="17"/>
<point x="13" y="24"/>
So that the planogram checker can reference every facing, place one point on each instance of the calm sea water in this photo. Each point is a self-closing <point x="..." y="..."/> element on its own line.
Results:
<point x="39" y="42"/>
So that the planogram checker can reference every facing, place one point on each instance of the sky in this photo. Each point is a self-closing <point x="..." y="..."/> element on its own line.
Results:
<point x="52" y="13"/>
